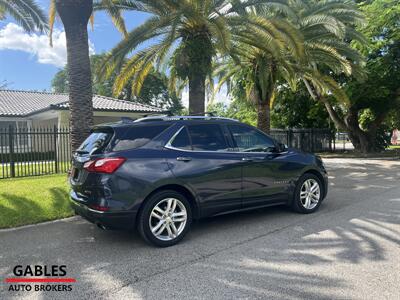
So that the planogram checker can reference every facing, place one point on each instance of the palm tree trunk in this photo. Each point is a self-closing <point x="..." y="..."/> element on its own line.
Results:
<point x="75" y="16"/>
<point x="264" y="116"/>
<point x="197" y="94"/>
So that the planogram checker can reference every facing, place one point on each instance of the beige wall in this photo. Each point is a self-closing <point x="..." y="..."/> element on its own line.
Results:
<point x="105" y="119"/>
<point x="50" y="123"/>
<point x="98" y="117"/>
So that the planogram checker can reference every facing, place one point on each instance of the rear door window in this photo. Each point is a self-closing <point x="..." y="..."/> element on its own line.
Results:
<point x="137" y="136"/>
<point x="207" y="137"/>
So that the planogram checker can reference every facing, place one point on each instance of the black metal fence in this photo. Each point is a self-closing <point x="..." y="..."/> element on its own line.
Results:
<point x="40" y="151"/>
<point x="308" y="139"/>
<point x="33" y="151"/>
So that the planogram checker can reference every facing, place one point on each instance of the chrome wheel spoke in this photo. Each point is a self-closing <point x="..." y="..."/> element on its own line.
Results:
<point x="178" y="217"/>
<point x="314" y="197"/>
<point x="173" y="205"/>
<point x="314" y="188"/>
<point x="159" y="228"/>
<point x="169" y="205"/>
<point x="169" y="230"/>
<point x="307" y="203"/>
<point x="156" y="215"/>
<point x="307" y="185"/>
<point x="174" y="229"/>
<point x="159" y="210"/>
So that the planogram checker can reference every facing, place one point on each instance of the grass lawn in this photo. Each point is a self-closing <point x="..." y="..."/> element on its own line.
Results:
<point x="394" y="147"/>
<point x="33" y="168"/>
<point x="32" y="200"/>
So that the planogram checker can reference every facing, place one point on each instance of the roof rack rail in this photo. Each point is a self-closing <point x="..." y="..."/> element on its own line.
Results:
<point x="127" y="120"/>
<point x="178" y="118"/>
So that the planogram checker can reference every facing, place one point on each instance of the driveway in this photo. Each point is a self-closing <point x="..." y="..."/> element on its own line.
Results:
<point x="349" y="249"/>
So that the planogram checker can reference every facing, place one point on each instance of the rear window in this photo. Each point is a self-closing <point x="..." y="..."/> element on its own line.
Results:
<point x="95" y="143"/>
<point x="137" y="136"/>
<point x="182" y="140"/>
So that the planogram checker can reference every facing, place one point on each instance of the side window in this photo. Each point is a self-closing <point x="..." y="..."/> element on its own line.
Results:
<point x="207" y="137"/>
<point x="137" y="136"/>
<point x="247" y="139"/>
<point x="182" y="140"/>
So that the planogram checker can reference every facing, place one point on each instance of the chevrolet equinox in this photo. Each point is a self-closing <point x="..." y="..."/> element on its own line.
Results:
<point x="159" y="173"/>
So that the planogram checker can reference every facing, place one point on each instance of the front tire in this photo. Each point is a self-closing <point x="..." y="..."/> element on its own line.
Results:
<point x="165" y="218"/>
<point x="308" y="194"/>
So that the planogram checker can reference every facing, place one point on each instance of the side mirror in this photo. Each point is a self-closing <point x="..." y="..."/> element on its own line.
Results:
<point x="281" y="147"/>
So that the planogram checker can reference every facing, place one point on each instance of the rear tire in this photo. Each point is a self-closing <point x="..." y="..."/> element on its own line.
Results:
<point x="308" y="194"/>
<point x="165" y="218"/>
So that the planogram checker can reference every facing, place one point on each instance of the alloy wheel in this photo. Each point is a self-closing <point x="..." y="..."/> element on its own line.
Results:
<point x="168" y="219"/>
<point x="310" y="193"/>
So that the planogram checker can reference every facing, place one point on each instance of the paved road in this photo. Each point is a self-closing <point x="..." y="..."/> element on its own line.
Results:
<point x="350" y="249"/>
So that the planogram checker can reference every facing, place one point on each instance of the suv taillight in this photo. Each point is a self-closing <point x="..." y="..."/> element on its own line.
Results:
<point x="104" y="165"/>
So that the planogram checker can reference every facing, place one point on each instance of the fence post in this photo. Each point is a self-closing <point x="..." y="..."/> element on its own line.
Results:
<point x="289" y="137"/>
<point x="11" y="147"/>
<point x="344" y="143"/>
<point x="312" y="140"/>
<point x="334" y="141"/>
<point x="55" y="131"/>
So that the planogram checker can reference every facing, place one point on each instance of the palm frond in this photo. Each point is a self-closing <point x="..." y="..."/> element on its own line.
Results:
<point x="152" y="28"/>
<point x="26" y="13"/>
<point x="114" y="11"/>
<point x="219" y="28"/>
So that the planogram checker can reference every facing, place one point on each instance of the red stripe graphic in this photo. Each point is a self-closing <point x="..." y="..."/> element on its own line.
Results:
<point x="24" y="279"/>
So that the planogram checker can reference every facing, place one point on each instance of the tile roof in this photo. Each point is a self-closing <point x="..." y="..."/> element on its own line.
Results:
<point x="25" y="103"/>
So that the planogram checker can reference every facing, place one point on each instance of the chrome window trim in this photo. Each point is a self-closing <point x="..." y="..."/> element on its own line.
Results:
<point x="168" y="145"/>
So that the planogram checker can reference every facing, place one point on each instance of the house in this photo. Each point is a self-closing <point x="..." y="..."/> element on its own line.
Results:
<point x="27" y="109"/>
<point x="39" y="113"/>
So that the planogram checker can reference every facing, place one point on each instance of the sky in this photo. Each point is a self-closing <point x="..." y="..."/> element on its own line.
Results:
<point x="27" y="62"/>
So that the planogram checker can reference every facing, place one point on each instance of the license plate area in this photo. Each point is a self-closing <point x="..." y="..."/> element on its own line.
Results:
<point x="75" y="174"/>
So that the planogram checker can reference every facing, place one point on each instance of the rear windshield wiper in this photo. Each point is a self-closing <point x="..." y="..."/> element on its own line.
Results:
<point x="81" y="152"/>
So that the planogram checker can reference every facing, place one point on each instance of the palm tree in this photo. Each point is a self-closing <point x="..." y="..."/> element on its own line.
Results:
<point x="260" y="56"/>
<point x="186" y="35"/>
<point x="27" y="13"/>
<point x="260" y="59"/>
<point x="75" y="15"/>
<point x="325" y="27"/>
<point x="328" y="29"/>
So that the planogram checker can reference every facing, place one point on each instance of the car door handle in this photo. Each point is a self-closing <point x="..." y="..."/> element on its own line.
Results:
<point x="255" y="158"/>
<point x="182" y="158"/>
<point x="247" y="159"/>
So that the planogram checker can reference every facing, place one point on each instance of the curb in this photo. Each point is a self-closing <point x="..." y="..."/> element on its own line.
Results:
<point x="366" y="158"/>
<point x="39" y="224"/>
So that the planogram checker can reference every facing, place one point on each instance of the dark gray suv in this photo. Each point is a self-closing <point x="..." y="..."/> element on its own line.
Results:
<point x="159" y="173"/>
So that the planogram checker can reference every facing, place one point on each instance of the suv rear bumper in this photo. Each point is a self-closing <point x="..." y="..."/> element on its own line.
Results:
<point x="104" y="219"/>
